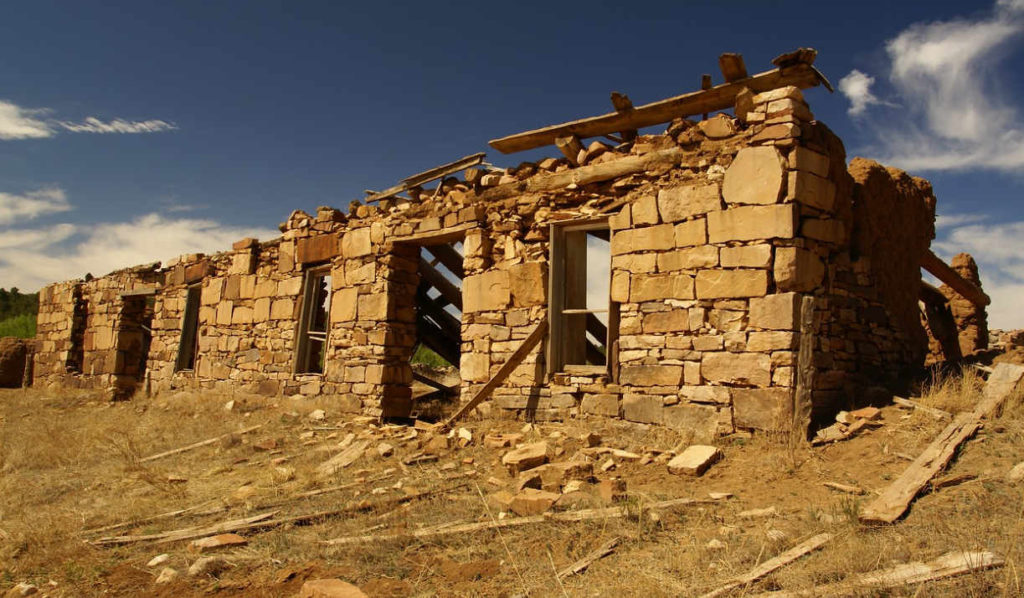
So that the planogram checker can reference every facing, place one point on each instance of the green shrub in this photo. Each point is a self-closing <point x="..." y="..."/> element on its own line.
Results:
<point x="23" y="326"/>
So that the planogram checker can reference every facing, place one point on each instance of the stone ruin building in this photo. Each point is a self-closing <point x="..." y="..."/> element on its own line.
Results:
<point x="733" y="272"/>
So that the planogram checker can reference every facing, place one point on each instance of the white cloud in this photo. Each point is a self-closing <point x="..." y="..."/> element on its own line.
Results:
<point x="26" y="123"/>
<point x="999" y="251"/>
<point x="35" y="238"/>
<point x="856" y="86"/>
<point x="946" y="76"/>
<point x="95" y="125"/>
<point x="31" y="205"/>
<point x="21" y="123"/>
<point x="950" y="220"/>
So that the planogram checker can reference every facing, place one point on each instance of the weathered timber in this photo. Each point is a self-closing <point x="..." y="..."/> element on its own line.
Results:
<point x="443" y="236"/>
<point x="944" y="272"/>
<point x="514" y="360"/>
<point x="948" y="565"/>
<point x="805" y="547"/>
<point x="732" y="67"/>
<point x="447" y="288"/>
<point x="427" y="176"/>
<point x="450" y="258"/>
<point x="581" y="565"/>
<point x="932" y="411"/>
<point x="719" y="97"/>
<point x="622" y="103"/>
<point x="196" y="445"/>
<point x="447" y="529"/>
<point x="585" y="175"/>
<point x="570" y="147"/>
<point x="895" y="499"/>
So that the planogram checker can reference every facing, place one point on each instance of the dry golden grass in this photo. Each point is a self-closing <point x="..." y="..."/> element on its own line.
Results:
<point x="69" y="463"/>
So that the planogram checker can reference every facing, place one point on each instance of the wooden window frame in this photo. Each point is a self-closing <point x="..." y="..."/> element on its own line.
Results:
<point x="559" y="260"/>
<point x="304" y="334"/>
<point x="188" y="344"/>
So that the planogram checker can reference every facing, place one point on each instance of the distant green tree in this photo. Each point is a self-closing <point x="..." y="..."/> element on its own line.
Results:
<point x="18" y="312"/>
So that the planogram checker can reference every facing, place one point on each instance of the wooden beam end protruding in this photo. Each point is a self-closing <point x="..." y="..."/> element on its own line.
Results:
<point x="944" y="272"/>
<point x="570" y="146"/>
<point x="732" y="67"/>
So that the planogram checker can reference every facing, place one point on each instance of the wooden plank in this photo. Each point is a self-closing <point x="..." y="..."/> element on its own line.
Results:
<point x="948" y="565"/>
<point x="732" y="67"/>
<point x="196" y="445"/>
<point x="449" y="257"/>
<point x="506" y="368"/>
<point x="944" y="272"/>
<point x="448" y="323"/>
<point x="719" y="97"/>
<point x="896" y="498"/>
<point x="932" y="411"/>
<point x="428" y="175"/>
<point x="805" y="547"/>
<point x="581" y="565"/>
<point x="449" y="529"/>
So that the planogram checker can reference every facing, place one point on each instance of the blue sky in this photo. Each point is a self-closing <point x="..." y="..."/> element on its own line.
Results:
<point x="136" y="131"/>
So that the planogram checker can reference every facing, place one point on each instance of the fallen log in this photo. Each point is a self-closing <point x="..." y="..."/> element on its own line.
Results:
<point x="581" y="565"/>
<point x="448" y="529"/>
<point x="932" y="411"/>
<point x="196" y="445"/>
<point x="948" y="565"/>
<point x="805" y="547"/>
<point x="895" y="499"/>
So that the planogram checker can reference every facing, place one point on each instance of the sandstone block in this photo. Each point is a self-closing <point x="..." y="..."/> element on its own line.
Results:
<point x="775" y="312"/>
<point x="811" y="190"/>
<point x="357" y="273"/>
<point x="762" y="408"/>
<point x="718" y="126"/>
<point x="687" y="201"/>
<point x="280" y="309"/>
<point x="528" y="283"/>
<point x="695" y="460"/>
<point x="645" y="211"/>
<point x="554" y="475"/>
<point x="644" y="408"/>
<point x="724" y="284"/>
<point x="791" y="92"/>
<point x="373" y="307"/>
<point x="621" y="219"/>
<point x="343" y="305"/>
<point x="752" y="223"/>
<point x="330" y="588"/>
<point x="660" y="286"/>
<point x="651" y="375"/>
<point x="719" y="395"/>
<point x="489" y="291"/>
<point x="356" y="243"/>
<point x="690" y="258"/>
<point x="651" y="238"/>
<point x="736" y="368"/>
<point x="636" y="262"/>
<point x="776" y="132"/>
<point x="810" y="161"/>
<point x="316" y="249"/>
<point x="620" y="286"/>
<point x="747" y="256"/>
<point x="772" y="340"/>
<point x="797" y="269"/>
<point x="824" y="229"/>
<point x="676" y="320"/>
<point x="600" y="404"/>
<point x="531" y="501"/>
<point x="693" y="232"/>
<point x="525" y="457"/>
<point x="754" y="177"/>
<point x="698" y="421"/>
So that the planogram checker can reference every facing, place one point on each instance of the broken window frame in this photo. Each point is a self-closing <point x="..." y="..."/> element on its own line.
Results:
<point x="308" y="334"/>
<point x="560" y="259"/>
<point x="188" y="344"/>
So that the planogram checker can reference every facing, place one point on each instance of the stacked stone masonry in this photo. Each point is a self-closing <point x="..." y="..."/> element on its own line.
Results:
<point x="758" y="284"/>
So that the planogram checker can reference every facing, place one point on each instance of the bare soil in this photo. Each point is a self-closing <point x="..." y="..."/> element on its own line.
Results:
<point x="70" y="464"/>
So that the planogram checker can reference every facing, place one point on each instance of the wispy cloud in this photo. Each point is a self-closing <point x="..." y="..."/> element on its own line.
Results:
<point x="943" y="221"/>
<point x="944" y="75"/>
<point x="17" y="122"/>
<point x="999" y="251"/>
<point x="32" y="204"/>
<point x="95" y="125"/>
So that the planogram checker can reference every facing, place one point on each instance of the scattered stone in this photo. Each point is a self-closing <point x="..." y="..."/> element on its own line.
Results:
<point x="868" y="413"/>
<point x="695" y="460"/>
<point x="229" y="406"/>
<point x="465" y="437"/>
<point x="531" y="501"/>
<point x="715" y="544"/>
<point x="776" y="535"/>
<point x="208" y="565"/>
<point x="317" y="415"/>
<point x="158" y="560"/>
<point x="573" y="486"/>
<point x="554" y="475"/>
<point x="759" y="513"/>
<point x="529" y="479"/>
<point x="500" y="500"/>
<point x="608" y="465"/>
<point x="330" y="588"/>
<point x="265" y="444"/>
<point x="167" y="575"/>
<point x="1016" y="474"/>
<point x="591" y="439"/>
<point x="385" y="450"/>
<point x="216" y="542"/>
<point x="720" y="495"/>
<point x="612" y="490"/>
<point x="502" y="440"/>
<point x="22" y="589"/>
<point x="525" y="457"/>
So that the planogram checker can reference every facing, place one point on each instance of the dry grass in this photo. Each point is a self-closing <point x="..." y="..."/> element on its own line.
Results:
<point x="69" y="463"/>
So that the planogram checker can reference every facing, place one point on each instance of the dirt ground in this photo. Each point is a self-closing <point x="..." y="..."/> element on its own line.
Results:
<point x="71" y="465"/>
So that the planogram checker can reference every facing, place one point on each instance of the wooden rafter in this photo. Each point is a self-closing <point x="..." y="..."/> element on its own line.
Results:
<point x="941" y="270"/>
<point x="450" y="258"/>
<point x="720" y="97"/>
<point x="428" y="175"/>
<point x="447" y="288"/>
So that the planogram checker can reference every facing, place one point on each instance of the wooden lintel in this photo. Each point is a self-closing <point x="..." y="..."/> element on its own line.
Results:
<point x="732" y="67"/>
<point x="944" y="272"/>
<point x="442" y="236"/>
<point x="428" y="175"/>
<point x="517" y="357"/>
<point x="720" y="97"/>
<point x="450" y="258"/>
<point x="139" y="292"/>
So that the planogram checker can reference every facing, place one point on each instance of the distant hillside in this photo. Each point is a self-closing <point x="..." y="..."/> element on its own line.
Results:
<point x="18" y="313"/>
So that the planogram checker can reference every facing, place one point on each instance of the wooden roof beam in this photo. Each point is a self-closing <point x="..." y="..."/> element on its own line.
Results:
<point x="426" y="176"/>
<point x="800" y="73"/>
<point x="941" y="270"/>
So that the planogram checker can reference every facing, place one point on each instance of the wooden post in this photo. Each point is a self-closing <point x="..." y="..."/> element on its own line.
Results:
<point x="705" y="84"/>
<point x="622" y="103"/>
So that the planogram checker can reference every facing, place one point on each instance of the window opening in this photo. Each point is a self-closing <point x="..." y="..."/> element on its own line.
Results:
<point x="188" y="347"/>
<point x="316" y="311"/>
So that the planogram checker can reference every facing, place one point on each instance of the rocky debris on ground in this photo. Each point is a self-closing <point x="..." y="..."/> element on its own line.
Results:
<point x="765" y="513"/>
<point x="167" y="575"/>
<point x="21" y="589"/>
<point x="158" y="560"/>
<point x="612" y="490"/>
<point x="530" y="501"/>
<point x="525" y="457"/>
<point x="1016" y="474"/>
<point x="330" y="588"/>
<point x="208" y="565"/>
<point x="216" y="543"/>
<point x="502" y="440"/>
<point x="695" y="460"/>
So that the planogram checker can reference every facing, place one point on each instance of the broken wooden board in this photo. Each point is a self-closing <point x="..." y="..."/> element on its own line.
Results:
<point x="721" y="97"/>
<point x="581" y="565"/>
<point x="944" y="272"/>
<point x="932" y="411"/>
<point x="427" y="176"/>
<point x="805" y="547"/>
<point x="343" y="459"/>
<point x="196" y="445"/>
<point x="948" y="565"/>
<point x="895" y="499"/>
